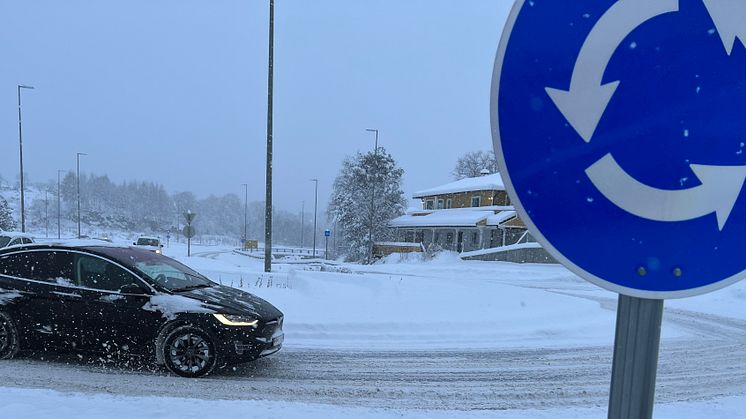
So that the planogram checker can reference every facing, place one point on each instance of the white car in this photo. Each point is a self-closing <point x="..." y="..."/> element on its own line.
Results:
<point x="149" y="243"/>
<point x="11" y="238"/>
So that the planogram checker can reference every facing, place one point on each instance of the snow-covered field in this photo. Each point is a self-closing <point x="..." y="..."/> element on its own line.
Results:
<point x="443" y="338"/>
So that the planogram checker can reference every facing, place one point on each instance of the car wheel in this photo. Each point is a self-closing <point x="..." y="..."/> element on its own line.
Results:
<point x="189" y="352"/>
<point x="8" y="337"/>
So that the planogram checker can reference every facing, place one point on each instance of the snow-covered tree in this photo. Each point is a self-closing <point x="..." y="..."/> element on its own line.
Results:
<point x="472" y="164"/>
<point x="367" y="195"/>
<point x="6" y="216"/>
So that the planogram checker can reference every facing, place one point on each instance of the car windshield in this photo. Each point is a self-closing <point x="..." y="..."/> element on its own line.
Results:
<point x="172" y="275"/>
<point x="147" y="242"/>
<point x="4" y="241"/>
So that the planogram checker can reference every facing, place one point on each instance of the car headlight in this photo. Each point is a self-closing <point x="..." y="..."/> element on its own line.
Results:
<point x="234" y="320"/>
<point x="158" y="251"/>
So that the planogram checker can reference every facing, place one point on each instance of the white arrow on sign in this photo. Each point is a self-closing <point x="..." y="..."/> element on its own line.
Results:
<point x="728" y="16"/>
<point x="586" y="101"/>
<point x="718" y="192"/>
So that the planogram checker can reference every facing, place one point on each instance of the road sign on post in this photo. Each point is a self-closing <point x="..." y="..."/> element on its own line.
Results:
<point x="617" y="128"/>
<point x="189" y="230"/>
<point x="327" y="234"/>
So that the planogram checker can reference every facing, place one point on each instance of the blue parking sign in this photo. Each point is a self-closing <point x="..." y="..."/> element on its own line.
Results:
<point x="620" y="130"/>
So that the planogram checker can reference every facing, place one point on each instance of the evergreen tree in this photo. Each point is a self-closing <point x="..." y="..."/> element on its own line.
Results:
<point x="6" y="216"/>
<point x="367" y="195"/>
<point x="472" y="164"/>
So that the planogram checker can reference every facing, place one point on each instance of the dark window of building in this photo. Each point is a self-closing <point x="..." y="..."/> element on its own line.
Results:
<point x="449" y="238"/>
<point x="429" y="204"/>
<point x="419" y="237"/>
<point x="436" y="238"/>
<point x="449" y="203"/>
<point x="441" y="204"/>
<point x="474" y="238"/>
<point x="475" y="201"/>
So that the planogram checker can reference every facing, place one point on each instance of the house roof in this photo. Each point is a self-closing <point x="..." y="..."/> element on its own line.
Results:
<point x="452" y="218"/>
<point x="493" y="182"/>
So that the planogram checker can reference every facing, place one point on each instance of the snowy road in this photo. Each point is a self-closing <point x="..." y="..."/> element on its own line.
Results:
<point x="444" y="335"/>
<point x="709" y="365"/>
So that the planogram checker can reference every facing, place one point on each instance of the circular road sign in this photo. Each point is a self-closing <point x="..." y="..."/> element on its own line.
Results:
<point x="619" y="127"/>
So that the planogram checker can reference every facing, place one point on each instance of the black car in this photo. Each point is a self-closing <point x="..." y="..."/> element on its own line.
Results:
<point x="129" y="301"/>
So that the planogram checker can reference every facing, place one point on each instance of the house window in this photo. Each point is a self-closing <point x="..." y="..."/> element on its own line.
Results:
<point x="429" y="204"/>
<point x="449" y="203"/>
<point x="441" y="204"/>
<point x="449" y="238"/>
<point x="436" y="238"/>
<point x="475" y="238"/>
<point x="476" y="201"/>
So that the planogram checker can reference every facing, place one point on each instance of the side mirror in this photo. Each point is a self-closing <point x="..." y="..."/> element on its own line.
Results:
<point x="134" y="243"/>
<point x="132" y="289"/>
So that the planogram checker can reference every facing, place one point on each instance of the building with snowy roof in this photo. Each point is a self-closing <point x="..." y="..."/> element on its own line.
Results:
<point x="472" y="216"/>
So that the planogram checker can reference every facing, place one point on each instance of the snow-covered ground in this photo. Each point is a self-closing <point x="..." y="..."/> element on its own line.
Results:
<point x="408" y="338"/>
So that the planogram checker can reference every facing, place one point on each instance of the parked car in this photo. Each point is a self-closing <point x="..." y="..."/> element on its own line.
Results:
<point x="10" y="238"/>
<point x="129" y="301"/>
<point x="149" y="243"/>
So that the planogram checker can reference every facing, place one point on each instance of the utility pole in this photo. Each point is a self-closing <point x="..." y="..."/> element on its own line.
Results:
<point x="315" y="211"/>
<point x="302" y="222"/>
<point x="46" y="213"/>
<point x="245" y="211"/>
<point x="20" y="154"/>
<point x="78" y="178"/>
<point x="372" y="196"/>
<point x="268" y="198"/>
<point x="59" y="225"/>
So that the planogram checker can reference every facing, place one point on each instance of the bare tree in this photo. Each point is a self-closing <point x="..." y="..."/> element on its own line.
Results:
<point x="472" y="164"/>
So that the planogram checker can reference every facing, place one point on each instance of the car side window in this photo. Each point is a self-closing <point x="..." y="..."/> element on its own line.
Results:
<point x="14" y="242"/>
<point x="48" y="266"/>
<point x="100" y="274"/>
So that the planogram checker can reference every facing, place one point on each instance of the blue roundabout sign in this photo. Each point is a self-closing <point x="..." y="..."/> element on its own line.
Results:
<point x="620" y="129"/>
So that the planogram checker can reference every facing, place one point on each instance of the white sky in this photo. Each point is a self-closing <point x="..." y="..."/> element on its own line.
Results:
<point x="175" y="90"/>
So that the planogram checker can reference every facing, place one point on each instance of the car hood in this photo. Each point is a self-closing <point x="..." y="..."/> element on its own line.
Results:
<point x="234" y="301"/>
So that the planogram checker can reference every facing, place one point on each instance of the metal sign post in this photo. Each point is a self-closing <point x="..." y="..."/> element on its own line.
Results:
<point x="189" y="230"/>
<point x="605" y="143"/>
<point x="636" y="347"/>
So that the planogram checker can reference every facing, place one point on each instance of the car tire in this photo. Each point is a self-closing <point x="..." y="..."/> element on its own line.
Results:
<point x="9" y="341"/>
<point x="189" y="351"/>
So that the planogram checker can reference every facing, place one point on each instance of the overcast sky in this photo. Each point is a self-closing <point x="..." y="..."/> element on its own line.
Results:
<point x="175" y="91"/>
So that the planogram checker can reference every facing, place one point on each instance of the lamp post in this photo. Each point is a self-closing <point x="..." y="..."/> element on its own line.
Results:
<point x="302" y="223"/>
<point x="315" y="211"/>
<point x="20" y="154"/>
<point x="78" y="179"/>
<point x="245" y="211"/>
<point x="59" y="210"/>
<point x="268" y="197"/>
<point x="372" y="196"/>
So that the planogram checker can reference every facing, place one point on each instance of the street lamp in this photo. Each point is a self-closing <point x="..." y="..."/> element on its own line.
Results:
<point x="270" y="108"/>
<point x="59" y="228"/>
<point x="20" y="154"/>
<point x="302" y="223"/>
<point x="78" y="178"/>
<point x="315" y="211"/>
<point x="372" y="196"/>
<point x="245" y="210"/>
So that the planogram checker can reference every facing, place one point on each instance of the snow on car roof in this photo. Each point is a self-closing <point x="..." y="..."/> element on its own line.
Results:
<point x="15" y="234"/>
<point x="493" y="182"/>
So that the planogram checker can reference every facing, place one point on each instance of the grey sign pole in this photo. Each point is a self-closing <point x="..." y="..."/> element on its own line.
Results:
<point x="636" y="346"/>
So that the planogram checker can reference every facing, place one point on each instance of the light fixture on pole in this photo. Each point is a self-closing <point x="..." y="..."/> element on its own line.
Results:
<point x="20" y="155"/>
<point x="315" y="211"/>
<point x="372" y="196"/>
<point x="78" y="179"/>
